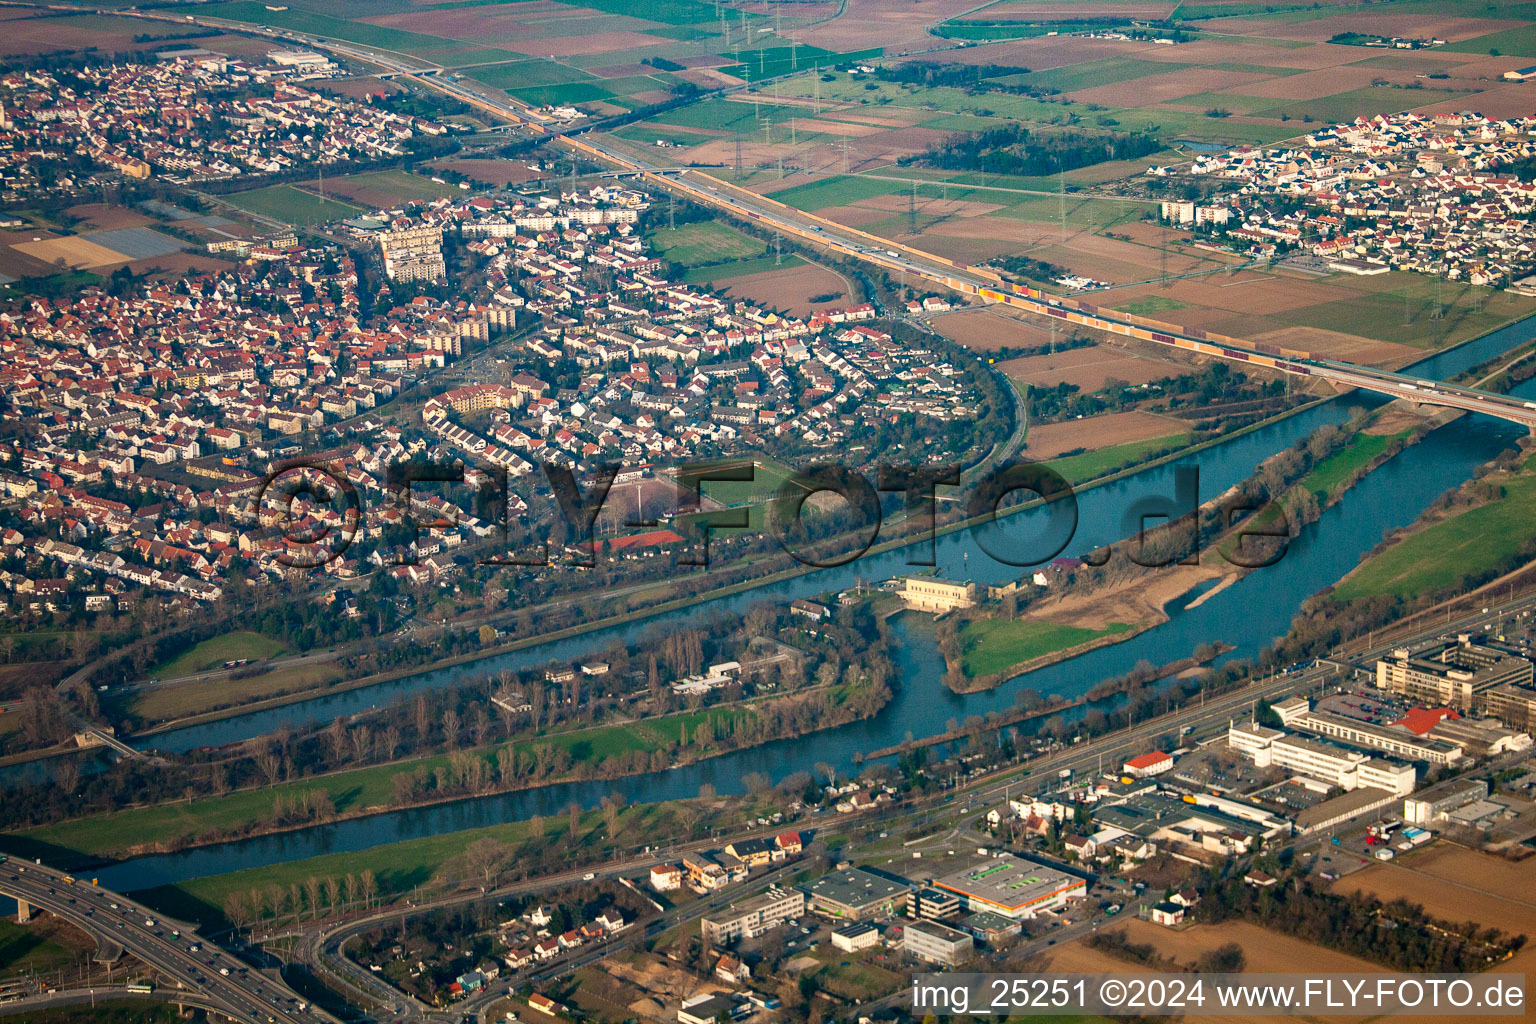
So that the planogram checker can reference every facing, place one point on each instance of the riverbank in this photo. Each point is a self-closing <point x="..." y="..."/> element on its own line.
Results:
<point x="678" y="603"/>
<point x="1070" y="625"/>
<point x="630" y="747"/>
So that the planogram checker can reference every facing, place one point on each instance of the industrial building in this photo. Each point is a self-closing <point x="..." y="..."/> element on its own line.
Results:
<point x="1512" y="703"/>
<point x="1297" y="713"/>
<point x="854" y="936"/>
<point x="932" y="904"/>
<point x="938" y="943"/>
<point x="1434" y="805"/>
<point x="1337" y="766"/>
<point x="857" y="894"/>
<point x="1012" y="887"/>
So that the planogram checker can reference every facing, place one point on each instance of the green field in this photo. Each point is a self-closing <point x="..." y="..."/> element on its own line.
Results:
<point x="398" y="186"/>
<point x="1342" y="464"/>
<point x="1520" y="41"/>
<point x="172" y="702"/>
<point x="989" y="646"/>
<point x="104" y="1011"/>
<point x="214" y="652"/>
<point x="739" y="268"/>
<point x="705" y="242"/>
<point x="1400" y="308"/>
<point x="291" y="205"/>
<point x="563" y="95"/>
<point x="1089" y="465"/>
<point x="526" y="74"/>
<point x="1150" y="305"/>
<point x="732" y="116"/>
<point x="1093" y="73"/>
<point x="1441" y="555"/>
<point x="1366" y="102"/>
<point x="403" y="865"/>
<point x="773" y="61"/>
<point x="840" y="190"/>
<point x="24" y="949"/>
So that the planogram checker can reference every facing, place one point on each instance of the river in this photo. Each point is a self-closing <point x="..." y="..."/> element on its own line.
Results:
<point x="1249" y="615"/>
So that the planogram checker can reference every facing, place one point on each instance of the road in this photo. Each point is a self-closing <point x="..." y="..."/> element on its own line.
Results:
<point x="174" y="951"/>
<point x="820" y="232"/>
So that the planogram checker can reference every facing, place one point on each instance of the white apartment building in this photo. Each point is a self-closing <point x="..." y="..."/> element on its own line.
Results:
<point x="753" y="917"/>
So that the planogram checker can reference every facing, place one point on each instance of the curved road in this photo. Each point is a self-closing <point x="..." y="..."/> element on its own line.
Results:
<point x="174" y="951"/>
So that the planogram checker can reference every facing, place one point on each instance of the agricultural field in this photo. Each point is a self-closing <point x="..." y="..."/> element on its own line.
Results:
<point x="1091" y="369"/>
<point x="1264" y="951"/>
<point x="1094" y="464"/>
<point x="292" y="205"/>
<point x="1456" y="884"/>
<point x="789" y="286"/>
<point x="1112" y="430"/>
<point x="175" y="702"/>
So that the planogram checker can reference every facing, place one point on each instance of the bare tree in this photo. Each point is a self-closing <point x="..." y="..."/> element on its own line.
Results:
<point x="485" y="858"/>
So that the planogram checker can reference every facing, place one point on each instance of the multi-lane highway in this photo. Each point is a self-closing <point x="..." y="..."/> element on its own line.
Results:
<point x="181" y="960"/>
<point x="901" y="258"/>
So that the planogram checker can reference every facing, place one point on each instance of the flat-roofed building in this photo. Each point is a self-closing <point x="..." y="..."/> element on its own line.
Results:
<point x="938" y="943"/>
<point x="1512" y="703"/>
<point x="857" y="894"/>
<point x="932" y="904"/>
<point x="933" y="594"/>
<point x="1335" y="765"/>
<point x="854" y="936"/>
<point x="1482" y="737"/>
<point x="1013" y="887"/>
<point x="753" y="917"/>
<point x="1297" y="713"/>
<point x="1455" y="675"/>
<point x="1435" y="804"/>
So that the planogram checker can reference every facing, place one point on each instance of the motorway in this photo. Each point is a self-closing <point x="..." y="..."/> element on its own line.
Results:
<point x="820" y="232"/>
<point x="172" y="950"/>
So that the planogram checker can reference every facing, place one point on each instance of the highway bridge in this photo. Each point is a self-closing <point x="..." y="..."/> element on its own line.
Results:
<point x="174" y="952"/>
<point x="901" y="258"/>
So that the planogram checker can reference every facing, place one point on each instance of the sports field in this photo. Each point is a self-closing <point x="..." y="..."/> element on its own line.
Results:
<point x="705" y="243"/>
<point x="380" y="190"/>
<point x="292" y="206"/>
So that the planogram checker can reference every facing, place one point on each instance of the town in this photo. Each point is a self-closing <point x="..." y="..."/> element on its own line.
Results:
<point x="191" y="116"/>
<point x="599" y="356"/>
<point x="1436" y="195"/>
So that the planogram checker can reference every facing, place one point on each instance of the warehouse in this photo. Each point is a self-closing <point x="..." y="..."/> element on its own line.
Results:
<point x="857" y="894"/>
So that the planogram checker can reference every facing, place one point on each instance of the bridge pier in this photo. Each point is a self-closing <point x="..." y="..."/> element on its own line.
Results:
<point x="23" y="911"/>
